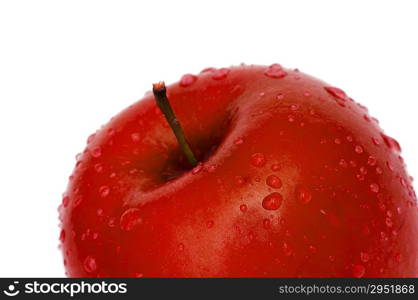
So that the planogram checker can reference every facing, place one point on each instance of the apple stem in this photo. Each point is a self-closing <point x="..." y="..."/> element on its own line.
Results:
<point x="160" y="95"/>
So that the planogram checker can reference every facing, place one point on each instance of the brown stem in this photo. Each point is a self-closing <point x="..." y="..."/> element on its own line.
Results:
<point x="160" y="95"/>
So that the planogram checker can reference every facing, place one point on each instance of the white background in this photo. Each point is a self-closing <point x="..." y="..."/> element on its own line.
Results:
<point x="66" y="67"/>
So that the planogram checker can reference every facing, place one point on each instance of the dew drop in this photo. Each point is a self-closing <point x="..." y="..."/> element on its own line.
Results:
<point x="62" y="236"/>
<point x="197" y="169"/>
<point x="294" y="107"/>
<point x="91" y="138"/>
<point x="358" y="271"/>
<point x="239" y="180"/>
<point x="135" y="137"/>
<point x="90" y="264"/>
<point x="287" y="250"/>
<point x="220" y="73"/>
<point x="274" y="181"/>
<point x="272" y="201"/>
<point x="280" y="96"/>
<point x="96" y="152"/>
<point x="77" y="201"/>
<point x="258" y="160"/>
<point x="104" y="191"/>
<point x="209" y="224"/>
<point x="303" y="195"/>
<point x="343" y="163"/>
<point x="275" y="71"/>
<point x="375" y="141"/>
<point x="339" y="95"/>
<point x="389" y="222"/>
<point x="187" y="80"/>
<point x="337" y="141"/>
<point x="371" y="160"/>
<point x="374" y="187"/>
<point x="65" y="201"/>
<point x="275" y="167"/>
<point x="111" y="222"/>
<point x="98" y="167"/>
<point x="358" y="149"/>
<point x="110" y="132"/>
<point x="239" y="141"/>
<point x="364" y="257"/>
<point x="129" y="219"/>
<point x="391" y="143"/>
<point x="266" y="223"/>
<point x="243" y="207"/>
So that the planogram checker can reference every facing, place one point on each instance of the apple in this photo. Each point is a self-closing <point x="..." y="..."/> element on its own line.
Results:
<point x="286" y="176"/>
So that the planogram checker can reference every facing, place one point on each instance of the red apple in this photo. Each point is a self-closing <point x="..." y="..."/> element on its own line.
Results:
<point x="294" y="179"/>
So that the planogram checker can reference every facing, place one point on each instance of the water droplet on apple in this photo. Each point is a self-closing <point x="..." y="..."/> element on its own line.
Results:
<point x="272" y="201"/>
<point x="275" y="167"/>
<point x="197" y="169"/>
<point x="379" y="171"/>
<point x="220" y="73"/>
<point x="363" y="170"/>
<point x="371" y="160"/>
<point x="358" y="271"/>
<point x="77" y="201"/>
<point x="374" y="187"/>
<point x="62" y="236"/>
<point x="239" y="180"/>
<point x="391" y="143"/>
<point x="294" y="107"/>
<point x="90" y="264"/>
<point x="306" y="93"/>
<point x="274" y="181"/>
<point x="312" y="249"/>
<point x="96" y="152"/>
<point x="110" y="132"/>
<point x="129" y="219"/>
<point x="266" y="223"/>
<point x="243" y="207"/>
<point x="104" y="191"/>
<point x="239" y="141"/>
<point x="187" y="80"/>
<point x="180" y="247"/>
<point x="375" y="141"/>
<point x="303" y="195"/>
<point x="280" y="96"/>
<point x="338" y="94"/>
<point x="65" y="201"/>
<point x="287" y="250"/>
<point x="98" y="167"/>
<point x="342" y="163"/>
<point x="138" y="275"/>
<point x="135" y="137"/>
<point x="337" y="141"/>
<point x="209" y="224"/>
<point x="258" y="160"/>
<point x="111" y="222"/>
<point x="389" y="222"/>
<point x="364" y="257"/>
<point x="358" y="149"/>
<point x="275" y="71"/>
<point x="251" y="236"/>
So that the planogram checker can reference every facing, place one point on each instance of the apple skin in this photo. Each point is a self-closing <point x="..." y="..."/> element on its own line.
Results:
<point x="295" y="180"/>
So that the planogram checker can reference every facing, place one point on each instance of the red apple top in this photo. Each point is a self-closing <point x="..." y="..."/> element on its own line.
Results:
<point x="294" y="178"/>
